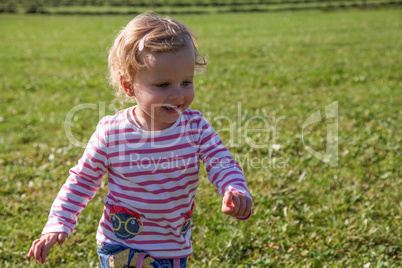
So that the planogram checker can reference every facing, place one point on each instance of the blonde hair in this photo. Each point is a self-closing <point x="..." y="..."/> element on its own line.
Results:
<point x="160" y="35"/>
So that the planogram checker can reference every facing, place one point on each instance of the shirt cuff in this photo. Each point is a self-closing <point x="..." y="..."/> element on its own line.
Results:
<point x="246" y="193"/>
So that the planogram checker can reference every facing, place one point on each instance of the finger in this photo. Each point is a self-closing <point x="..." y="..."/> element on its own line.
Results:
<point x="227" y="206"/>
<point x="48" y="245"/>
<point x="227" y="210"/>
<point x="242" y="206"/>
<point x="228" y="198"/>
<point x="31" y="250"/>
<point x="38" y="250"/>
<point x="62" y="237"/>
<point x="249" y="207"/>
<point x="236" y="203"/>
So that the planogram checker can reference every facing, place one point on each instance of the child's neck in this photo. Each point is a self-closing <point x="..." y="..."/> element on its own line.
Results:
<point x="144" y="125"/>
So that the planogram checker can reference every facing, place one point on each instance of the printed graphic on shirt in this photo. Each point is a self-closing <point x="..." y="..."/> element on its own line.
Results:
<point x="126" y="223"/>
<point x="188" y="217"/>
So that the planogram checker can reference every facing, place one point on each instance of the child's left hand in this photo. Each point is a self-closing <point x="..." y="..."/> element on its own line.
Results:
<point x="236" y="204"/>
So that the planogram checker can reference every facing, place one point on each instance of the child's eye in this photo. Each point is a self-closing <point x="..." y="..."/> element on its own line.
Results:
<point x="186" y="83"/>
<point x="163" y="85"/>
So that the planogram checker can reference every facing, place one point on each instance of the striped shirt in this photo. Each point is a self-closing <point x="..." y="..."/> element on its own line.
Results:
<point x="152" y="178"/>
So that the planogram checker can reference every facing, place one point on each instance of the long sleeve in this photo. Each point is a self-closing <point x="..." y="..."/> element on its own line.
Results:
<point x="81" y="185"/>
<point x="223" y="171"/>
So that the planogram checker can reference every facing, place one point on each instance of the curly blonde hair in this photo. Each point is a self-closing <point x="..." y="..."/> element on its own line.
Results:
<point x="162" y="35"/>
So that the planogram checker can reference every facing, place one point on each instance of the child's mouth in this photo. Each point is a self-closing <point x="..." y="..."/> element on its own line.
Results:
<point x="171" y="109"/>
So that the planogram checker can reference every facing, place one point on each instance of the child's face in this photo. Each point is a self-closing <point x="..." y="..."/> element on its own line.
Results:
<point x="164" y="88"/>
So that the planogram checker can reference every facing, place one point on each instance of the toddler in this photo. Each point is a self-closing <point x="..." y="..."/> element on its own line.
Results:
<point x="150" y="153"/>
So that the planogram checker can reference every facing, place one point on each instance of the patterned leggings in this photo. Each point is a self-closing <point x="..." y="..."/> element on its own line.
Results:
<point x="118" y="256"/>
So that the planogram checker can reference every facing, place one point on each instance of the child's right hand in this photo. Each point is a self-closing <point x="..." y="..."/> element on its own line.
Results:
<point x="40" y="247"/>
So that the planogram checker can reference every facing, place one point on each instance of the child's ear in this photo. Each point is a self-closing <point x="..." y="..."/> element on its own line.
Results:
<point x="126" y="86"/>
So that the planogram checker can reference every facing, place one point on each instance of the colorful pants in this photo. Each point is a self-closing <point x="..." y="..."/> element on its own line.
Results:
<point x="118" y="256"/>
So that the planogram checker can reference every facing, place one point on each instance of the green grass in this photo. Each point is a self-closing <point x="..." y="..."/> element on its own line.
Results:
<point x="166" y="9"/>
<point x="279" y="67"/>
<point x="124" y="7"/>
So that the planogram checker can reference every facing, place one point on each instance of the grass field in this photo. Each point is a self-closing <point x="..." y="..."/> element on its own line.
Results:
<point x="125" y="7"/>
<point x="266" y="71"/>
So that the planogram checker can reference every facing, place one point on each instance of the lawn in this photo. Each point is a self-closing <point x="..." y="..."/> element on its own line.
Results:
<point x="124" y="7"/>
<point x="267" y="74"/>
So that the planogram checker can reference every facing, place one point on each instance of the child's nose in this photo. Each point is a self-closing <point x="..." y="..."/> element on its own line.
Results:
<point x="176" y="93"/>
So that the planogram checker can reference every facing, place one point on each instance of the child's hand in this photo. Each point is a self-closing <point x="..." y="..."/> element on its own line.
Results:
<point x="236" y="204"/>
<point x="40" y="247"/>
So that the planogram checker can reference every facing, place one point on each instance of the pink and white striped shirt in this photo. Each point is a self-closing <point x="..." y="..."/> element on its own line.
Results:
<point x="152" y="179"/>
